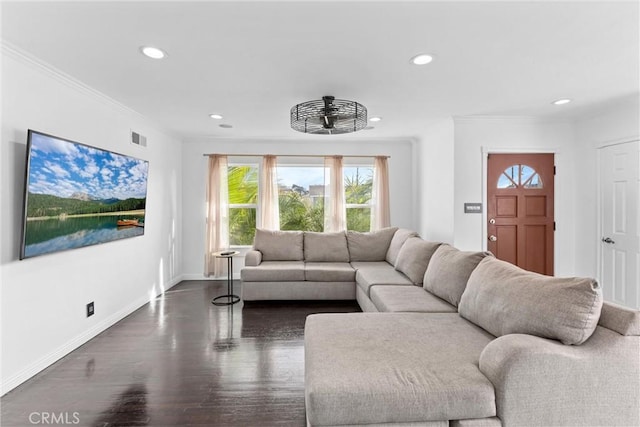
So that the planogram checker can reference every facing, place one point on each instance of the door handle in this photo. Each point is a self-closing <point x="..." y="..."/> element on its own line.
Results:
<point x="608" y="240"/>
<point x="493" y="238"/>
<point x="492" y="221"/>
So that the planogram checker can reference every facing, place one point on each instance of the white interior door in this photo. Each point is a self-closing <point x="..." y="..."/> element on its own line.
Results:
<point x="620" y="223"/>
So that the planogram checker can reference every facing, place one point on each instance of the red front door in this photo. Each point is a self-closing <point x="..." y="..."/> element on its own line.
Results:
<point x="520" y="209"/>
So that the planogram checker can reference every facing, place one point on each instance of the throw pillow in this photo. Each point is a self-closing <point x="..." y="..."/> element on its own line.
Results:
<point x="370" y="246"/>
<point x="399" y="237"/>
<point x="504" y="299"/>
<point x="414" y="257"/>
<point x="448" y="272"/>
<point x="325" y="247"/>
<point x="279" y="245"/>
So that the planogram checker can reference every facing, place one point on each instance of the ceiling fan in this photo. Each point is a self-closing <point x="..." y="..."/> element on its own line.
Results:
<point x="328" y="116"/>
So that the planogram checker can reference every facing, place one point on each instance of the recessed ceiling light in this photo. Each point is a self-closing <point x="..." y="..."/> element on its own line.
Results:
<point x="153" y="52"/>
<point x="561" y="101"/>
<point x="226" y="126"/>
<point x="215" y="116"/>
<point x="375" y="119"/>
<point x="422" y="59"/>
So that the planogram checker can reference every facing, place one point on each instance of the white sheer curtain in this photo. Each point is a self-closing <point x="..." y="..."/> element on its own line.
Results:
<point x="268" y="195"/>
<point x="217" y="229"/>
<point x="335" y="212"/>
<point x="380" y="210"/>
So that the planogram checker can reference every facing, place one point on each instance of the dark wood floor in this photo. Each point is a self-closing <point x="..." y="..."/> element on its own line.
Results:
<point x="181" y="361"/>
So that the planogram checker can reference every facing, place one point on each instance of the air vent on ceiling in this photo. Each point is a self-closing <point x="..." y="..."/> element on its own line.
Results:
<point x="138" y="139"/>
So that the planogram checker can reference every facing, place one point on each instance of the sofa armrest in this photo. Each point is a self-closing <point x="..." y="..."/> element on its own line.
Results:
<point x="252" y="258"/>
<point x="540" y="381"/>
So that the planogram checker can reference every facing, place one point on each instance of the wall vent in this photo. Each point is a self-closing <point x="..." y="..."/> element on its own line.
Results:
<point x="138" y="139"/>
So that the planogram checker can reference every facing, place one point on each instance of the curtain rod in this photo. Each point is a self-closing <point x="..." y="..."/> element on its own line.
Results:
<point x="293" y="155"/>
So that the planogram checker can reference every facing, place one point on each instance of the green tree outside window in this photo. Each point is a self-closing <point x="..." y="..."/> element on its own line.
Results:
<point x="301" y="206"/>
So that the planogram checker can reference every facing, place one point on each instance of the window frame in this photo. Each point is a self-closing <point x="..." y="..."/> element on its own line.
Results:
<point x="304" y="162"/>
<point x="358" y="205"/>
<point x="299" y="162"/>
<point x="519" y="183"/>
<point x="255" y="205"/>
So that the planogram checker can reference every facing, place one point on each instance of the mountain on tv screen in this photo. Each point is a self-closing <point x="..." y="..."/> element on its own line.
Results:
<point x="77" y="195"/>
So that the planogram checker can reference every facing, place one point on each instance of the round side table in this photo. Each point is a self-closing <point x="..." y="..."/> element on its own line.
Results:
<point x="229" y="298"/>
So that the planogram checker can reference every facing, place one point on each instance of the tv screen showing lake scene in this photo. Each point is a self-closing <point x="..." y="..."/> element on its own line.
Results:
<point x="77" y="195"/>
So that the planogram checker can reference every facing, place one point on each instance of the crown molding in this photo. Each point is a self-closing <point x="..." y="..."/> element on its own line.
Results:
<point x="12" y="51"/>
<point x="27" y="58"/>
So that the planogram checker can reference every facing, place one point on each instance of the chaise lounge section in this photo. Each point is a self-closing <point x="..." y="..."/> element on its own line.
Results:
<point x="440" y="369"/>
<point x="520" y="349"/>
<point x="448" y="337"/>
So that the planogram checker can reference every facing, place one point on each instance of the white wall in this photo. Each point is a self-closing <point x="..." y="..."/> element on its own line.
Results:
<point x="194" y="167"/>
<point x="619" y="122"/>
<point x="434" y="176"/>
<point x="44" y="298"/>
<point x="516" y="134"/>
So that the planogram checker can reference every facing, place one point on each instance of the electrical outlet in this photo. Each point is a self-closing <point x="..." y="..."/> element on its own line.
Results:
<point x="90" y="309"/>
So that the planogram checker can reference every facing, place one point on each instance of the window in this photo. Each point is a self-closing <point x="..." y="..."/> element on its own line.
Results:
<point x="519" y="176"/>
<point x="302" y="193"/>
<point x="301" y="199"/>
<point x="358" y="185"/>
<point x="243" y="203"/>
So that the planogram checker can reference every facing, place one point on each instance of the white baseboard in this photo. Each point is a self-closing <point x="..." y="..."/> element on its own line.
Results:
<point x="49" y="359"/>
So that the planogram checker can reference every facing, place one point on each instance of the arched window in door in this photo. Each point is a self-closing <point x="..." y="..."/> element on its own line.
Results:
<point x="519" y="176"/>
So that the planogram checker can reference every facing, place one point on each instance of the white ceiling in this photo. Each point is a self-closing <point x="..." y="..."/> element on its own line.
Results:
<point x="252" y="61"/>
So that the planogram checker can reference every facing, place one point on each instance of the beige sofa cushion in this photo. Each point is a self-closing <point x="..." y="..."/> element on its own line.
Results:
<point x="371" y="246"/>
<point x="274" y="271"/>
<point x="504" y="299"/>
<point x="279" y="245"/>
<point x="388" y="368"/>
<point x="406" y="299"/>
<point x="370" y="274"/>
<point x="399" y="237"/>
<point x="414" y="257"/>
<point x="448" y="272"/>
<point x="325" y="247"/>
<point x="329" y="272"/>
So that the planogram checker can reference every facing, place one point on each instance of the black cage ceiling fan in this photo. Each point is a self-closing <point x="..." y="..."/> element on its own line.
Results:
<point x="328" y="116"/>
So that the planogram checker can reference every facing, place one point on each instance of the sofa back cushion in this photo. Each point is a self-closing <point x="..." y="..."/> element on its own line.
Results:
<point x="279" y="245"/>
<point x="399" y="237"/>
<point x="449" y="270"/>
<point x="325" y="247"/>
<point x="414" y="257"/>
<point x="504" y="299"/>
<point x="370" y="246"/>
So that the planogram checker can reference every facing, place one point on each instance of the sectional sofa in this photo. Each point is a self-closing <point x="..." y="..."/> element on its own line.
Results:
<point x="449" y="338"/>
<point x="292" y="265"/>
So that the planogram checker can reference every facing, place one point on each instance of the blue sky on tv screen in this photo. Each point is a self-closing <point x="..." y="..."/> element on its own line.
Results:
<point x="61" y="168"/>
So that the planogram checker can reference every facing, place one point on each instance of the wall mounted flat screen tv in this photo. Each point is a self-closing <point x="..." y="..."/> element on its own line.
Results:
<point x="77" y="195"/>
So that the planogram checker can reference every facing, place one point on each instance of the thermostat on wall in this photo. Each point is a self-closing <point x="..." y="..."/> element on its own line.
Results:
<point x="473" y="208"/>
